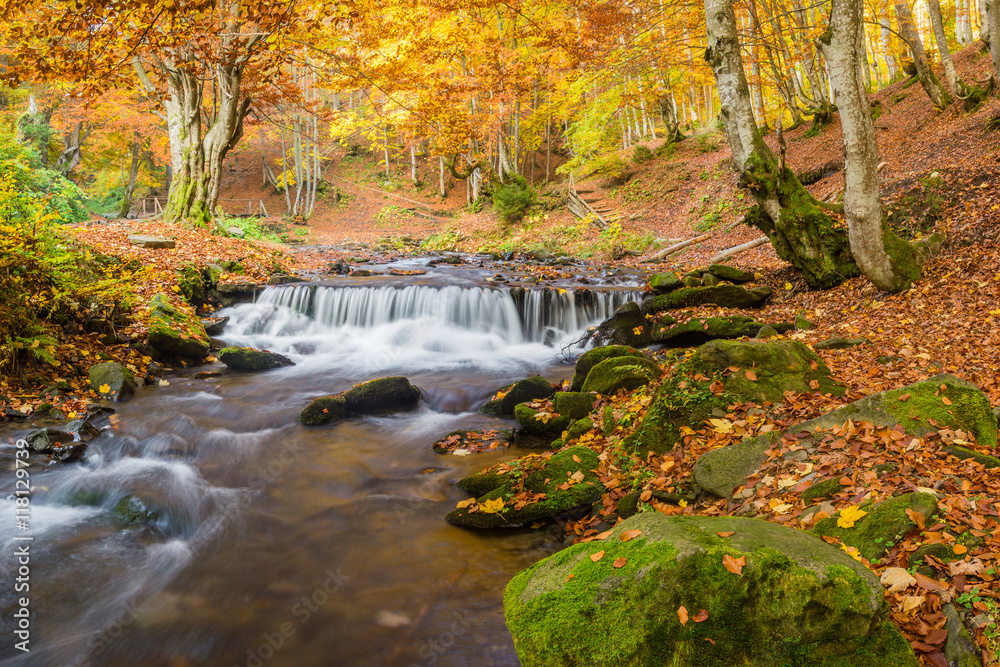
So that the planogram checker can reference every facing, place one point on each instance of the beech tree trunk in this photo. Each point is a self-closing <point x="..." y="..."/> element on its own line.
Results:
<point x="800" y="231"/>
<point x="890" y="57"/>
<point x="991" y="27"/>
<point x="954" y="83"/>
<point x="885" y="259"/>
<point x="133" y="174"/>
<point x="198" y="145"/>
<point x="908" y="29"/>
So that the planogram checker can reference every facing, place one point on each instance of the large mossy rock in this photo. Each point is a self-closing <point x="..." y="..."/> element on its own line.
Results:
<point x="628" y="326"/>
<point x="175" y="331"/>
<point x="687" y="398"/>
<point x="778" y="366"/>
<point x="389" y="393"/>
<point x="698" y="331"/>
<point x="942" y="401"/>
<point x="112" y="380"/>
<point x="504" y="399"/>
<point x="324" y="410"/>
<point x="574" y="404"/>
<point x="249" y="359"/>
<point x="591" y="358"/>
<point x="797" y="601"/>
<point x="627" y="373"/>
<point x="722" y="470"/>
<point x="536" y="475"/>
<point x="725" y="296"/>
<point x="884" y="524"/>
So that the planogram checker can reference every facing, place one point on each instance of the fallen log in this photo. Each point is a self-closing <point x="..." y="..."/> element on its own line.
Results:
<point x="669" y="250"/>
<point x="735" y="250"/>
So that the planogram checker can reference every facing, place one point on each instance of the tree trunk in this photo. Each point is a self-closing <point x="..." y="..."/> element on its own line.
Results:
<point x="133" y="174"/>
<point x="991" y="26"/>
<point x="890" y="57"/>
<point x="883" y="258"/>
<point x="908" y="29"/>
<point x="669" y="114"/>
<point x="800" y="231"/>
<point x="955" y="84"/>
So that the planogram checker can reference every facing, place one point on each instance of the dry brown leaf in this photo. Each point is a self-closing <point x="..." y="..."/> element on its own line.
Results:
<point x="734" y="565"/>
<point x="897" y="579"/>
<point x="751" y="376"/>
<point x="597" y="556"/>
<point x="701" y="616"/>
<point x="682" y="614"/>
<point x="726" y="533"/>
<point x="630" y="535"/>
<point x="620" y="562"/>
<point x="912" y="603"/>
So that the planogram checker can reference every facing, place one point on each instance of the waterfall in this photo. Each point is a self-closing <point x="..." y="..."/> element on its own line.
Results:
<point x="516" y="315"/>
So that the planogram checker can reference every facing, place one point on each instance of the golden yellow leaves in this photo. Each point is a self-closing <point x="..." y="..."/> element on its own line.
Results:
<point x="104" y="388"/>
<point x="852" y="552"/>
<point x="544" y="416"/>
<point x="721" y="425"/>
<point x="491" y="506"/>
<point x="849" y="515"/>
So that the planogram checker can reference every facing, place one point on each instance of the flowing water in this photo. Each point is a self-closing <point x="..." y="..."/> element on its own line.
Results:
<point x="281" y="545"/>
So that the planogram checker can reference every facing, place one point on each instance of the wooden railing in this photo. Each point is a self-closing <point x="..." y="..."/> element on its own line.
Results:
<point x="581" y="209"/>
<point x="150" y="206"/>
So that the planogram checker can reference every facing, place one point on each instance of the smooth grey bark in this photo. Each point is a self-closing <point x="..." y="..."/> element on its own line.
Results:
<point x="954" y="83"/>
<point x="890" y="57"/>
<point x="882" y="257"/>
<point x="991" y="26"/>
<point x="799" y="231"/>
<point x="133" y="175"/>
<point x="908" y="29"/>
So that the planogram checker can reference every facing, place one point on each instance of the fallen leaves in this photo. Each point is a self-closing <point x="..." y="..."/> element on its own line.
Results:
<point x="597" y="556"/>
<point x="897" y="579"/>
<point x="682" y="614"/>
<point x="734" y="565"/>
<point x="849" y="515"/>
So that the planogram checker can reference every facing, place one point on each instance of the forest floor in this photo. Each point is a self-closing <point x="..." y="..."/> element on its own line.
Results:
<point x="940" y="173"/>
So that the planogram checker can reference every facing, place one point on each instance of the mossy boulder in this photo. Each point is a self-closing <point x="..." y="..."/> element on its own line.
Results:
<point x="192" y="285"/>
<point x="884" y="524"/>
<point x="964" y="453"/>
<point x="730" y="273"/>
<point x="578" y="428"/>
<point x="131" y="510"/>
<point x="45" y="440"/>
<point x="389" y="393"/>
<point x="693" y="281"/>
<point x="249" y="359"/>
<point x="661" y="283"/>
<point x="112" y="380"/>
<point x="726" y="296"/>
<point x="778" y="366"/>
<point x="823" y="489"/>
<point x="681" y="401"/>
<point x="175" y="330"/>
<point x="628" y="326"/>
<point x="697" y="331"/>
<point x="719" y="471"/>
<point x="536" y="475"/>
<point x="504" y="399"/>
<point x="797" y="601"/>
<point x="323" y="410"/>
<point x="627" y="373"/>
<point x="541" y="422"/>
<point x="802" y="324"/>
<point x="591" y="358"/>
<point x="942" y="401"/>
<point x="839" y="343"/>
<point x="574" y="404"/>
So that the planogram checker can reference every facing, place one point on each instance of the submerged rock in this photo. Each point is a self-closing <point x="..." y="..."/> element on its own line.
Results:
<point x="660" y="596"/>
<point x="130" y="510"/>
<point x="324" y="410"/>
<point x="381" y="394"/>
<point x="249" y="359"/>
<point x="548" y="486"/>
<point x="112" y="380"/>
<point x="215" y="325"/>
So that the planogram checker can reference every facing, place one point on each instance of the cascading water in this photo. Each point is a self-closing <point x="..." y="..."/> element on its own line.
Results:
<point x="281" y="545"/>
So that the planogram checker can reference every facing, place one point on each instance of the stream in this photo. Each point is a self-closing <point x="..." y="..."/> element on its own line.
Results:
<point x="283" y="545"/>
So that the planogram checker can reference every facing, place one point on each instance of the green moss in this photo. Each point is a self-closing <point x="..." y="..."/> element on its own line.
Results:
<point x="885" y="524"/>
<point x="964" y="453"/>
<point x="725" y="296"/>
<point x="175" y="331"/>
<point x="505" y="398"/>
<point x="538" y="475"/>
<point x="680" y="401"/>
<point x="664" y="282"/>
<point x="527" y="418"/>
<point x="970" y="408"/>
<point x="700" y="330"/>
<point x="572" y="404"/>
<point x="627" y="373"/>
<point x="595" y="356"/>
<point x="720" y="471"/>
<point x="323" y="410"/>
<point x="730" y="273"/>
<point x="825" y="489"/>
<point x="798" y="601"/>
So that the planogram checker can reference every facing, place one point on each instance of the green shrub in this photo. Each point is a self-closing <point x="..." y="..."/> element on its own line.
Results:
<point x="513" y="200"/>
<point x="640" y="154"/>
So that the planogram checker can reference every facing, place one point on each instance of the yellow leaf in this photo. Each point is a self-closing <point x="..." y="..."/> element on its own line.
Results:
<point x="721" y="425"/>
<point x="682" y="503"/>
<point x="577" y="476"/>
<point x="849" y="515"/>
<point x="544" y="417"/>
<point x="104" y="389"/>
<point x="852" y="552"/>
<point x="491" y="506"/>
<point x="465" y="503"/>
<point x="788" y="286"/>
<point x="912" y="603"/>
